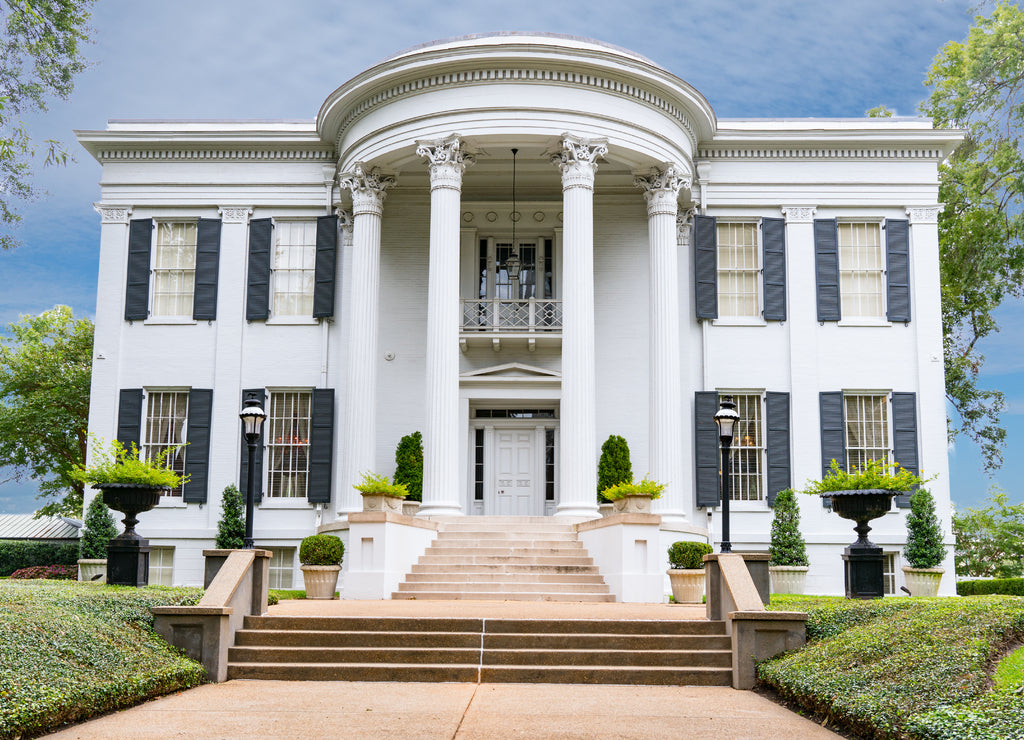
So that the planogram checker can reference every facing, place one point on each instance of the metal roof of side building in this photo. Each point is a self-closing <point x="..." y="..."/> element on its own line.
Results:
<point x="27" y="527"/>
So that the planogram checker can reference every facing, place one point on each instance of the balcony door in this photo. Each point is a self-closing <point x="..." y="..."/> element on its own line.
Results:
<point x="535" y="275"/>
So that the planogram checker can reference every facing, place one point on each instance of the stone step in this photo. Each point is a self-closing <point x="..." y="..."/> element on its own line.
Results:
<point x="470" y="542"/>
<point x="433" y="672"/>
<point x="503" y="586"/>
<point x="604" y="641"/>
<point x="441" y="575"/>
<point x="511" y="568"/>
<point x="366" y="624"/>
<point x="499" y="596"/>
<point x="400" y="655"/>
<point x="515" y="528"/>
<point x="501" y="534"/>
<point x="604" y="658"/>
<point x="469" y="559"/>
<point x="443" y="550"/>
<point x="607" y="675"/>
<point x="358" y="638"/>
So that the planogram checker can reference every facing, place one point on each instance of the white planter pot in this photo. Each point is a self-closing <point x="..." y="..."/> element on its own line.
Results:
<point x="409" y="508"/>
<point x="788" y="579"/>
<point x="89" y="568"/>
<point x="321" y="580"/>
<point x="377" y="502"/>
<point x="923" y="581"/>
<point x="632" y="505"/>
<point x="687" y="585"/>
<point x="606" y="509"/>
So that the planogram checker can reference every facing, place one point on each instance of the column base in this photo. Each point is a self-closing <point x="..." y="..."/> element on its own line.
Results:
<point x="440" y="508"/>
<point x="579" y="510"/>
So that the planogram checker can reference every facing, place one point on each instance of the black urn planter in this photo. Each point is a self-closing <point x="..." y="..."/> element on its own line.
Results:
<point x="863" y="560"/>
<point x="128" y="553"/>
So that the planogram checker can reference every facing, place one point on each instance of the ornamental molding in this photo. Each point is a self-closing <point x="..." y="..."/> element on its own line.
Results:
<point x="240" y="155"/>
<point x="799" y="214"/>
<point x="368" y="189"/>
<point x="661" y="189"/>
<point x="346" y="223"/>
<point x="112" y="214"/>
<point x="235" y="215"/>
<point x="742" y="153"/>
<point x="518" y="76"/>
<point x="926" y="215"/>
<point x="447" y="161"/>
<point x="684" y="224"/>
<point x="577" y="160"/>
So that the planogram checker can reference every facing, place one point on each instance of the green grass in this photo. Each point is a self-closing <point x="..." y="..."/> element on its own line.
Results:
<point x="904" y="668"/>
<point x="69" y="651"/>
<point x="286" y="593"/>
<point x="1009" y="674"/>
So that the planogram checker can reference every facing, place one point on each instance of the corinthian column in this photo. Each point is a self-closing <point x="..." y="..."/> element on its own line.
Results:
<point x="661" y="189"/>
<point x="368" y="192"/>
<point x="578" y="475"/>
<point x="447" y="162"/>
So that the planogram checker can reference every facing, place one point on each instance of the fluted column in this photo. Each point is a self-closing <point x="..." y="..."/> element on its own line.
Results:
<point x="441" y="446"/>
<point x="578" y="475"/>
<point x="665" y="416"/>
<point x="368" y="192"/>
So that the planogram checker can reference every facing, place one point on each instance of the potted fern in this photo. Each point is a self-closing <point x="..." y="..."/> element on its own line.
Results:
<point x="92" y="550"/>
<point x="924" y="550"/>
<point x="614" y="467"/>
<point x="634" y="498"/>
<point x="380" y="494"/>
<point x="321" y="556"/>
<point x="788" y="551"/>
<point x="686" y="570"/>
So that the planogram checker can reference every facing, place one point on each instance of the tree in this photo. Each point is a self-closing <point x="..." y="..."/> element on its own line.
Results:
<point x="787" y="544"/>
<point x="990" y="540"/>
<point x="977" y="85"/>
<point x="40" y="55"/>
<point x="231" y="527"/>
<point x="924" y="548"/>
<point x="409" y="465"/>
<point x="614" y="467"/>
<point x="45" y="372"/>
<point x="100" y="529"/>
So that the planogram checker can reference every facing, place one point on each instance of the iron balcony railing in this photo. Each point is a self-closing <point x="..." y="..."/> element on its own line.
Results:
<point x="507" y="315"/>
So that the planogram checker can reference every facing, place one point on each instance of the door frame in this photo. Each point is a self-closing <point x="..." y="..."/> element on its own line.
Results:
<point x="488" y="505"/>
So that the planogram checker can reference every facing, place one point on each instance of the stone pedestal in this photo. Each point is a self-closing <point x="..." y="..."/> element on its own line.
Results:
<point x="863" y="568"/>
<point x="128" y="562"/>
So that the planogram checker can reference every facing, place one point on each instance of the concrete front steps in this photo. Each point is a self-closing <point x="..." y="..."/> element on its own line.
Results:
<point x="505" y="559"/>
<point x="592" y="651"/>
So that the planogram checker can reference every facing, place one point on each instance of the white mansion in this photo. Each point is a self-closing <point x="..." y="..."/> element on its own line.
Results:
<point x="353" y="272"/>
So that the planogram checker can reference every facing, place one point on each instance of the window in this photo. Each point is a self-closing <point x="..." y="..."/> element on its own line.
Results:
<point x="867" y="429"/>
<point x="282" y="567"/>
<point x="174" y="269"/>
<point x="288" y="444"/>
<point x="294" y="268"/>
<point x="478" y="465"/>
<point x="166" y="415"/>
<point x="745" y="459"/>
<point x="889" y="573"/>
<point x="861" y="282"/>
<point x="738" y="270"/>
<point x="549" y="464"/>
<point x="161" y="566"/>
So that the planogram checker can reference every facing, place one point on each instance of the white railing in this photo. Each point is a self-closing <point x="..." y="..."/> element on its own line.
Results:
<point x="507" y="315"/>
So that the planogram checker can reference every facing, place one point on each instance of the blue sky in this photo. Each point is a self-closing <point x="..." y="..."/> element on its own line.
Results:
<point x="266" y="59"/>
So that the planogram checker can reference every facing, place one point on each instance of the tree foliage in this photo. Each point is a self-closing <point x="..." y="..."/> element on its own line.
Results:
<point x="409" y="465"/>
<point x="40" y="55"/>
<point x="614" y="467"/>
<point x="990" y="540"/>
<point x="100" y="528"/>
<point x="924" y="548"/>
<point x="787" y="545"/>
<point x="231" y="527"/>
<point x="978" y="86"/>
<point x="45" y="372"/>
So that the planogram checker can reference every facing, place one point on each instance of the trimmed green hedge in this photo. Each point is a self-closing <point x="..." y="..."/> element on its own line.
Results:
<point x="70" y="651"/>
<point x="1005" y="586"/>
<point x="18" y="554"/>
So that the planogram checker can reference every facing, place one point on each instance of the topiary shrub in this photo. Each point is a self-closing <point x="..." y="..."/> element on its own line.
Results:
<point x="100" y="529"/>
<point x="231" y="527"/>
<point x="409" y="465"/>
<point x="688" y="555"/>
<point x="787" y="544"/>
<point x="321" y="549"/>
<point x="614" y="466"/>
<point x="924" y="548"/>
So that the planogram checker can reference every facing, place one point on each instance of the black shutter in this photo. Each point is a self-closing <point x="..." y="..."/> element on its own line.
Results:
<point x="197" y="454"/>
<point x="129" y="417"/>
<point x="204" y="299"/>
<point x="826" y="268"/>
<point x="897" y="267"/>
<point x="706" y="448"/>
<point x="326" y="259"/>
<point x="777" y="441"/>
<point x="257" y="295"/>
<point x="705" y="266"/>
<point x="833" y="434"/>
<point x="140" y="241"/>
<point x="904" y="438"/>
<point x="321" y="446"/>
<point x="773" y="248"/>
<point x="243" y="476"/>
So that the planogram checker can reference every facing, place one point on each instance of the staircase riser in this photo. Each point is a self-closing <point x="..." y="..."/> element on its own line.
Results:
<point x="499" y="596"/>
<point x="296" y="638"/>
<point x="512" y="587"/>
<point x="503" y="560"/>
<point x="625" y="676"/>
<point x="525" y="535"/>
<point x="438" y="577"/>
<point x="507" y="568"/>
<point x="606" y="642"/>
<point x="446" y="656"/>
<point x="328" y="672"/>
<point x="604" y="658"/>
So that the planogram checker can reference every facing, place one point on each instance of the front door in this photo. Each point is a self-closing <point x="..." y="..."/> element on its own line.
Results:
<point x="515" y="473"/>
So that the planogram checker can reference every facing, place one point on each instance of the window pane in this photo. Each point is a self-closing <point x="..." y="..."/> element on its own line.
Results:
<point x="282" y="567"/>
<point x="166" y="413"/>
<point x="288" y="444"/>
<point x="161" y="566"/>
<point x="867" y="429"/>
<point x="861" y="269"/>
<point x="174" y="266"/>
<point x="746" y="456"/>
<point x="294" y="268"/>
<point x="504" y="285"/>
<point x="738" y="268"/>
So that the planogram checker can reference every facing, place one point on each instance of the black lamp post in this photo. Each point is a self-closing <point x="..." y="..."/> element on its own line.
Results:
<point x="252" y="417"/>
<point x="726" y="419"/>
<point x="514" y="265"/>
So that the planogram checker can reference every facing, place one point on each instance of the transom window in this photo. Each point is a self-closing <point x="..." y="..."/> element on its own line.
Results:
<point x="514" y="413"/>
<point x="861" y="283"/>
<point x="288" y="444"/>
<point x="739" y="265"/>
<point x="166" y="415"/>
<point x="747" y="453"/>
<point x="174" y="269"/>
<point x="867" y="429"/>
<point x="294" y="268"/>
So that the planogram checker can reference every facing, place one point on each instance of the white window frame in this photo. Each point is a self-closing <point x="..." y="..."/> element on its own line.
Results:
<point x="161" y="565"/>
<point x="760" y="453"/>
<point x="886" y="429"/>
<point x="535" y="239"/>
<point x="277" y="316"/>
<point x="186" y="312"/>
<point x="270" y="446"/>
<point x="281" y="568"/>
<point x="846" y="303"/>
<point x="891" y="578"/>
<point x="757" y="317"/>
<point x="151" y="448"/>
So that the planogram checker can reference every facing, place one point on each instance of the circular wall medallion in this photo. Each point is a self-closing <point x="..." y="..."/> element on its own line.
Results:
<point x="559" y="216"/>
<point x="467" y="216"/>
<point x="538" y="216"/>
<point x="389" y="356"/>
<point x="515" y="216"/>
<point x="492" y="216"/>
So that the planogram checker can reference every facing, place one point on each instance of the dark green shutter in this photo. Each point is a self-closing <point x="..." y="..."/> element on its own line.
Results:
<point x="706" y="448"/>
<point x="705" y="266"/>
<point x="904" y="437"/>
<point x="129" y="417"/>
<point x="243" y="476"/>
<point x="773" y="249"/>
<point x="777" y="443"/>
<point x="833" y="433"/>
<point x="257" y="295"/>
<point x="321" y="446"/>
<point x="897" y="268"/>
<point x="326" y="259"/>
<point x="197" y="454"/>
<point x="140" y="241"/>
<point x="204" y="298"/>
<point x="826" y="268"/>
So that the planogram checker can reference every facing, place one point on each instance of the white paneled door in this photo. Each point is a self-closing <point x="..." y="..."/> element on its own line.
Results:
<point x="517" y="491"/>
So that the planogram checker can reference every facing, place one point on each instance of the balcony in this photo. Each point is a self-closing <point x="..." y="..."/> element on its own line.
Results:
<point x="493" y="320"/>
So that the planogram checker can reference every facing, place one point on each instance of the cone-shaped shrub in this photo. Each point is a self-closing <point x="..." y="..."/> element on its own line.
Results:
<point x="99" y="530"/>
<point x="924" y="547"/>
<point x="409" y="465"/>
<point x="614" y="466"/>
<point x="231" y="527"/>
<point x="787" y="544"/>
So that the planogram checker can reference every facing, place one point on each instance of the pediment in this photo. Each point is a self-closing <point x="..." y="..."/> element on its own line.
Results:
<point x="512" y="371"/>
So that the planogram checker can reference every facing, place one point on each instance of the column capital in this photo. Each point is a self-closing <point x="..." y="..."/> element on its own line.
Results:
<point x="112" y="214"/>
<point x="447" y="161"/>
<point x="799" y="214"/>
<point x="368" y="189"/>
<point x="235" y="214"/>
<point x="576" y="160"/>
<point x="684" y="222"/>
<point x="661" y="189"/>
<point x="345" y="223"/>
<point x="926" y="215"/>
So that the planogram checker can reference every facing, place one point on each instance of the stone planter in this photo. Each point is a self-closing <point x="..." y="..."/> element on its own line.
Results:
<point x="632" y="505"/>
<point x="687" y="585"/>
<point x="409" y="508"/>
<point x="379" y="502"/>
<point x="606" y="509"/>
<point x="128" y="553"/>
<point x="321" y="581"/>
<point x="788" y="579"/>
<point x="90" y="568"/>
<point x="923" y="581"/>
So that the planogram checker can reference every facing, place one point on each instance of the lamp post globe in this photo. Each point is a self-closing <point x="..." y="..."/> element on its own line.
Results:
<point x="726" y="418"/>
<point x="252" y="416"/>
